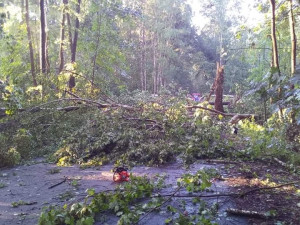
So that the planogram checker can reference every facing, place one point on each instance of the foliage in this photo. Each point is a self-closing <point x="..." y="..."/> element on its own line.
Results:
<point x="118" y="203"/>
<point x="270" y="140"/>
<point x="3" y="185"/>
<point x="128" y="203"/>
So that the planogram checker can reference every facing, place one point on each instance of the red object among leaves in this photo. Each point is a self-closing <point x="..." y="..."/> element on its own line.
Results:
<point x="120" y="174"/>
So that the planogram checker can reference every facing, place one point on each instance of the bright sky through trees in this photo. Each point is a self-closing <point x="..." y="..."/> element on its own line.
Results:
<point x="248" y="10"/>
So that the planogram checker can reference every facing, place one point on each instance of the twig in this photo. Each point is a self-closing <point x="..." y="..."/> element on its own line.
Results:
<point x="72" y="94"/>
<point x="64" y="180"/>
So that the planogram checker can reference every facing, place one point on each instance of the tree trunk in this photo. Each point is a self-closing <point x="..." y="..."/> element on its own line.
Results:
<point x="143" y="59"/>
<point x="30" y="43"/>
<point x="275" y="61"/>
<point x="144" y="54"/>
<point x="293" y="38"/>
<point x="219" y="88"/>
<point x="154" y="67"/>
<point x="47" y="41"/>
<point x="43" y="38"/>
<point x="69" y="30"/>
<point x="72" y="82"/>
<point x="62" y="38"/>
<point x="74" y="44"/>
<point x="294" y="128"/>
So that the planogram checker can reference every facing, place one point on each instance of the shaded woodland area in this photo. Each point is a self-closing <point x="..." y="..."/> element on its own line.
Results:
<point x="111" y="82"/>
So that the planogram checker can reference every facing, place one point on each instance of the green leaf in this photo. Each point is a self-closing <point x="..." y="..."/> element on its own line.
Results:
<point x="91" y="192"/>
<point x="168" y="221"/>
<point x="119" y="213"/>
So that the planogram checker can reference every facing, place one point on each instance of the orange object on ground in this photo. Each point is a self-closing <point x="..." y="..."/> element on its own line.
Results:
<point x="120" y="174"/>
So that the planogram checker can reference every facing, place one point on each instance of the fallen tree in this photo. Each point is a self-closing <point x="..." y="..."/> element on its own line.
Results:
<point x="235" y="117"/>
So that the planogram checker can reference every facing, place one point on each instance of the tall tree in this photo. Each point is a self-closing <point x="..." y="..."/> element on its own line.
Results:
<point x="293" y="38"/>
<point x="62" y="37"/>
<point x="219" y="87"/>
<point x="74" y="43"/>
<point x="76" y="32"/>
<point x="275" y="60"/>
<point x="43" y="40"/>
<point x="143" y="70"/>
<point x="31" y="53"/>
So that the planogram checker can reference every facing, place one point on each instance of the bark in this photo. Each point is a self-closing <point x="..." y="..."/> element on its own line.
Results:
<point x="43" y="38"/>
<point x="159" y="72"/>
<point x="143" y="71"/>
<point x="154" y="66"/>
<point x="69" y="29"/>
<point x="72" y="82"/>
<point x="62" y="38"/>
<point x="275" y="61"/>
<point x="47" y="41"/>
<point x="74" y="44"/>
<point x="293" y="38"/>
<point x="219" y="88"/>
<point x="293" y="62"/>
<point x="31" y="54"/>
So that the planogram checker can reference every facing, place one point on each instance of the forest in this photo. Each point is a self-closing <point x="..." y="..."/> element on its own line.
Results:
<point x="149" y="112"/>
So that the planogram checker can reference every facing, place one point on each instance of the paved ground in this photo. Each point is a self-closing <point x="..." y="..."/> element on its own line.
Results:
<point x="31" y="184"/>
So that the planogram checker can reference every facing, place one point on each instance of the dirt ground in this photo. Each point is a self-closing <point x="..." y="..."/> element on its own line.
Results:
<point x="31" y="185"/>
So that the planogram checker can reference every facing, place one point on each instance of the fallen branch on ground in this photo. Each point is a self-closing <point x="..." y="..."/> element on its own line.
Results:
<point x="268" y="188"/>
<point x="30" y="203"/>
<point x="235" y="117"/>
<point x="285" y="165"/>
<point x="280" y="162"/>
<point x="247" y="213"/>
<point x="241" y="194"/>
<point x="64" y="180"/>
<point x="71" y="108"/>
<point x="221" y="161"/>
